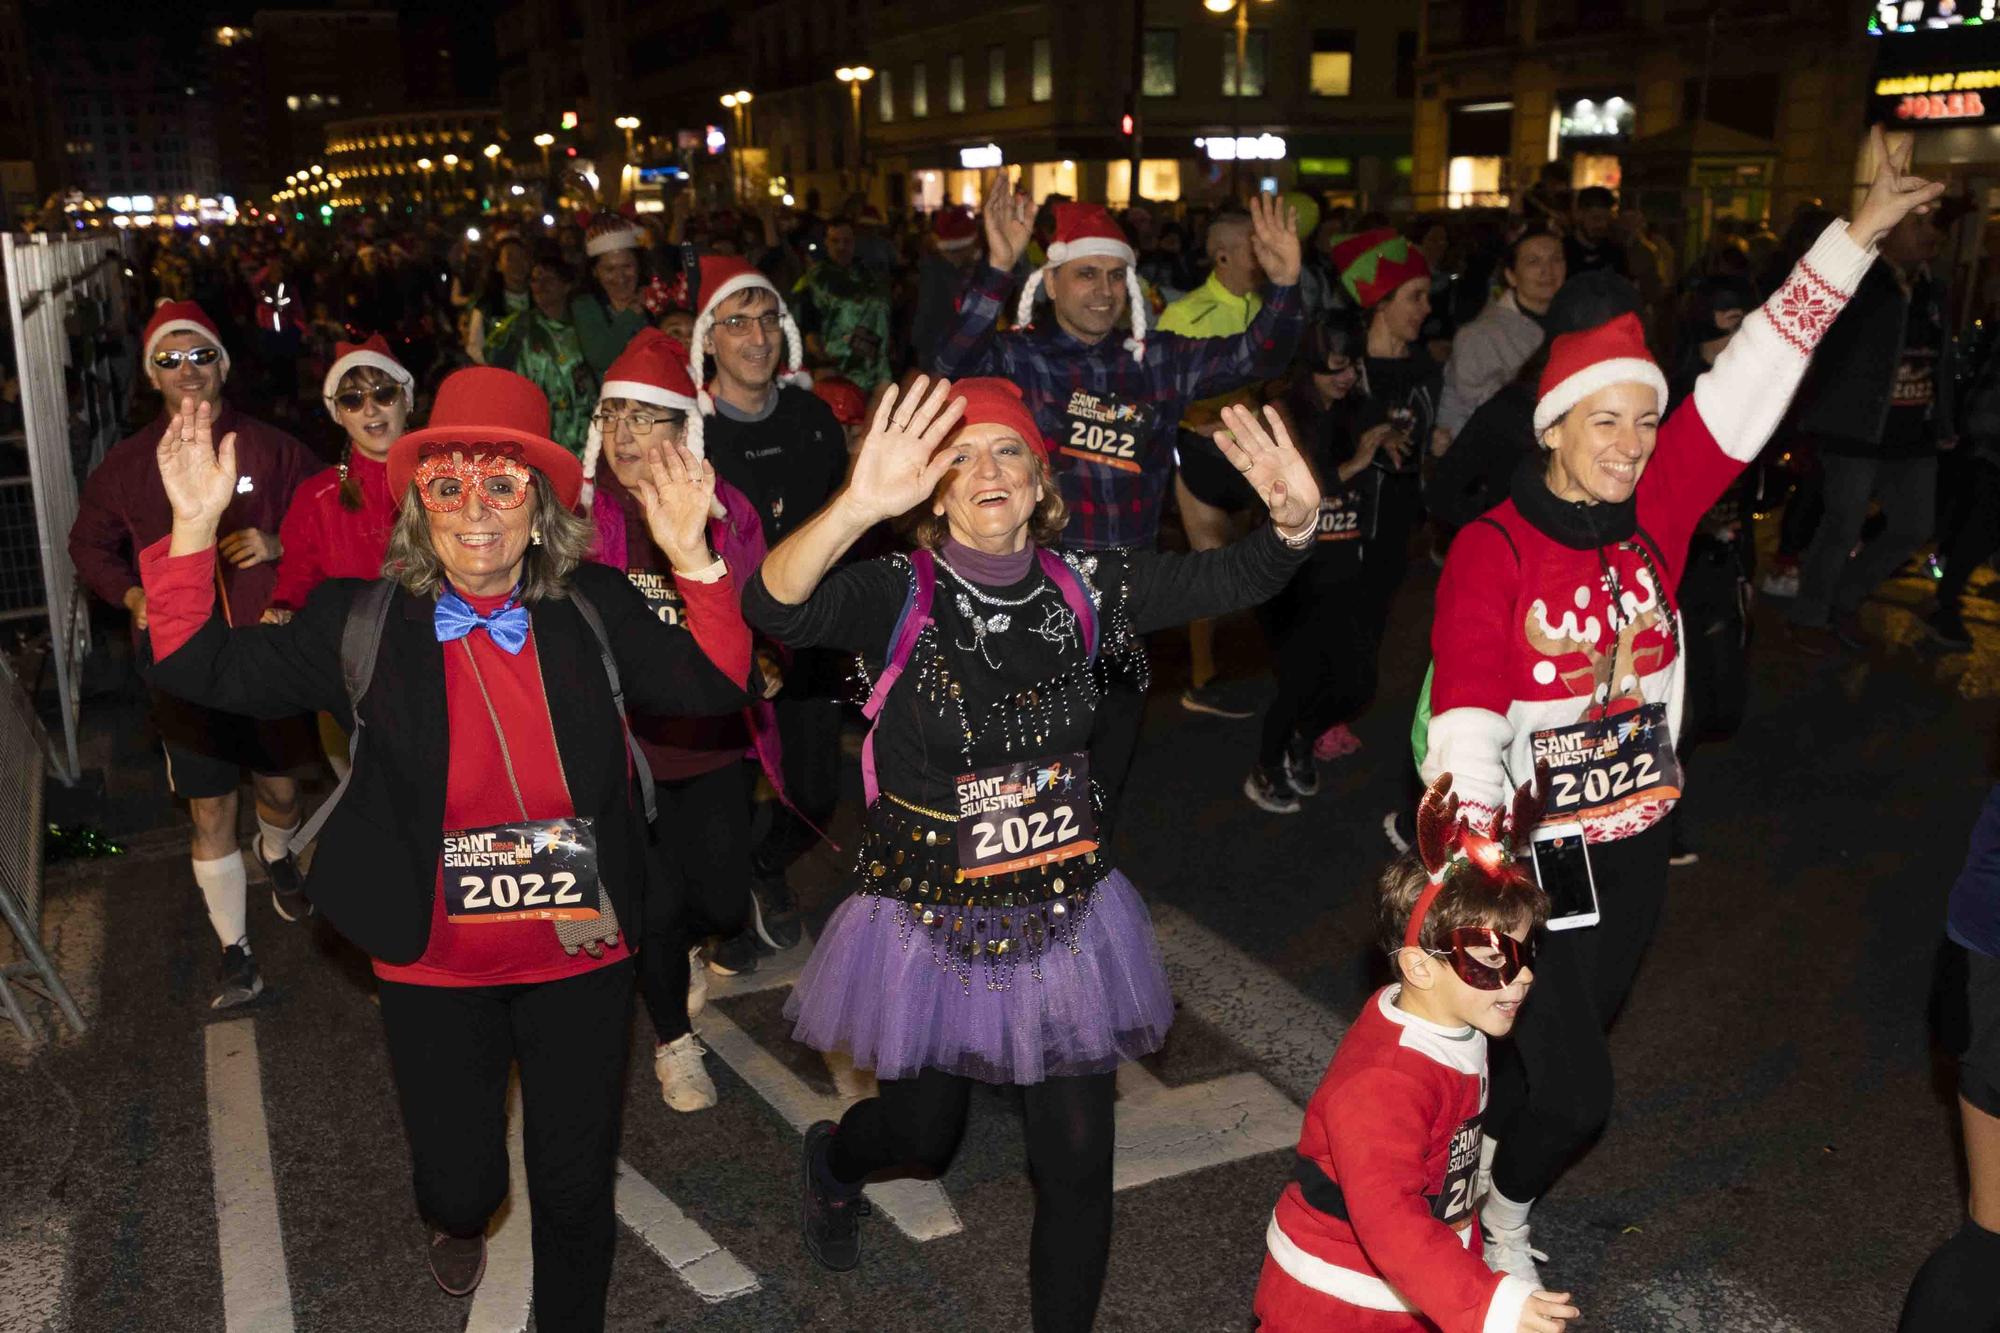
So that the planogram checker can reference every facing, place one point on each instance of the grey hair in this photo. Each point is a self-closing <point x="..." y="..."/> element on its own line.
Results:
<point x="565" y="541"/>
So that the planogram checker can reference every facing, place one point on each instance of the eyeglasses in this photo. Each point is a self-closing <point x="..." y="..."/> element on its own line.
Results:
<point x="446" y="495"/>
<point x="1486" y="958"/>
<point x="200" y="356"/>
<point x="738" y="325"/>
<point x="642" y="424"/>
<point x="385" y="395"/>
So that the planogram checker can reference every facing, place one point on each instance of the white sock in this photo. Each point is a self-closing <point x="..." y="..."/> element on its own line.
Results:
<point x="1502" y="1214"/>
<point x="275" y="839"/>
<point x="223" y="883"/>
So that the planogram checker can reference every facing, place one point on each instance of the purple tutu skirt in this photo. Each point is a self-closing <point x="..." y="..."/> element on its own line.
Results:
<point x="880" y="987"/>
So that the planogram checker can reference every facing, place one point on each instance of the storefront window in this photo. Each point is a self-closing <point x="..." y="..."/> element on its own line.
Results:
<point x="927" y="190"/>
<point x="1047" y="178"/>
<point x="1159" y="181"/>
<point x="1475" y="182"/>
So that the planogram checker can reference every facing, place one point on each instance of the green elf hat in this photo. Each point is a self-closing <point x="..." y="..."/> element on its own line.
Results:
<point x="1375" y="263"/>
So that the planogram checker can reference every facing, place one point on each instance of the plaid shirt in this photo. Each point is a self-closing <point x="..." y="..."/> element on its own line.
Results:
<point x="1110" y="421"/>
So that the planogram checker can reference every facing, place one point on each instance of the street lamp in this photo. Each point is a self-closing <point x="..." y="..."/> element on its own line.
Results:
<point x="739" y="103"/>
<point x="628" y="175"/>
<point x="430" y="196"/>
<point x="854" y="76"/>
<point x="542" y="141"/>
<point x="1242" y="8"/>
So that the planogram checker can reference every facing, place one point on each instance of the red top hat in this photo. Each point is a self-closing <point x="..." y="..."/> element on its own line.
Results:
<point x="483" y="409"/>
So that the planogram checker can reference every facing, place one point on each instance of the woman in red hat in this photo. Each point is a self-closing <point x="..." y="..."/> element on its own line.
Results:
<point x="338" y="524"/>
<point x="1557" y="642"/>
<point x="488" y="850"/>
<point x="989" y="937"/>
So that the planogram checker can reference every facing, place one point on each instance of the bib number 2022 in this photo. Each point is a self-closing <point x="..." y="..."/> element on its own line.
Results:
<point x="1102" y="440"/>
<point x="1607" y="782"/>
<point x="1014" y="834"/>
<point x="505" y="892"/>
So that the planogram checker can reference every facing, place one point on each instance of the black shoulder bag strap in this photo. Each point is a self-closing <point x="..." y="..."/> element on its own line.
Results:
<point x="640" y="767"/>
<point x="360" y="642"/>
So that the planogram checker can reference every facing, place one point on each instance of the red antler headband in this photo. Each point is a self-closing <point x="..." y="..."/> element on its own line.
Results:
<point x="1444" y="838"/>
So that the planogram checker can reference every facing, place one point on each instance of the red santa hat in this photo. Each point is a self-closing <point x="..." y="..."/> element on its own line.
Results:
<point x="993" y="401"/>
<point x="653" y="370"/>
<point x="1087" y="231"/>
<point x="609" y="232"/>
<point x="180" y="317"/>
<point x="352" y="356"/>
<point x="723" y="276"/>
<point x="844" y="396"/>
<point x="954" y="228"/>
<point x="1583" y="362"/>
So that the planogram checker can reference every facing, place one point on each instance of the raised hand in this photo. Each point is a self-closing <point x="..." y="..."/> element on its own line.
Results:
<point x="1263" y="452"/>
<point x="899" y="465"/>
<point x="1274" y="238"/>
<point x="677" y="491"/>
<point x="199" y="475"/>
<point x="1010" y="222"/>
<point x="1894" y="193"/>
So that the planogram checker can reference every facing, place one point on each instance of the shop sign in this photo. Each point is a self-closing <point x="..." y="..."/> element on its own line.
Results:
<point x="1243" y="148"/>
<point x="1949" y="95"/>
<point x="980" y="159"/>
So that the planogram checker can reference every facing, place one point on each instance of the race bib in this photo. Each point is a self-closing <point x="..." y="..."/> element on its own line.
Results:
<point x="1597" y="768"/>
<point x="1105" y="431"/>
<point x="1339" y="518"/>
<point x="540" y="870"/>
<point x="1453" y="1206"/>
<point x="1014" y="816"/>
<point x="662" y="597"/>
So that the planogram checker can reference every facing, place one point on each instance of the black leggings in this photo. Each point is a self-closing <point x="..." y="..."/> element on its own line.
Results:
<point x="1552" y="1086"/>
<point x="915" y="1125"/>
<point x="1325" y="643"/>
<point x="702" y="888"/>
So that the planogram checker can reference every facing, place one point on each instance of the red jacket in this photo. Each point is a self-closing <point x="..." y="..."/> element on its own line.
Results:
<point x="326" y="540"/>
<point x="124" y="509"/>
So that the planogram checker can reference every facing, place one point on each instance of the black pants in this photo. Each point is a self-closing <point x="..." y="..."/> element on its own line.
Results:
<point x="809" y="730"/>
<point x="1552" y="1085"/>
<point x="1976" y="536"/>
<point x="450" y="1047"/>
<point x="915" y="1125"/>
<point x="1325" y="646"/>
<point x="702" y="850"/>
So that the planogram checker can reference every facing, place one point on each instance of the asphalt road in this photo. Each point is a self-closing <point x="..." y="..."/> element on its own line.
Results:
<point x="1781" y="1159"/>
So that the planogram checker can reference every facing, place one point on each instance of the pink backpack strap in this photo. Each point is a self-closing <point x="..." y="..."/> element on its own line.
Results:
<point x="902" y="643"/>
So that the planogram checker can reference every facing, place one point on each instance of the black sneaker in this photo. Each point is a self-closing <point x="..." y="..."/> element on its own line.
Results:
<point x="1949" y="629"/>
<point x="288" y="886"/>
<point x="1269" y="792"/>
<point x="241" y="981"/>
<point x="1301" y="773"/>
<point x="830" y="1222"/>
<point x="1217" y="700"/>
<point x="457" y="1262"/>
<point x="735" y="955"/>
<point x="774" y="913"/>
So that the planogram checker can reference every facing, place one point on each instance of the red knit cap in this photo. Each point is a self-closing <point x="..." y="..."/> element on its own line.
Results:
<point x="1583" y="362"/>
<point x="1375" y="263"/>
<point x="844" y="396"/>
<point x="180" y="317"/>
<point x="992" y="401"/>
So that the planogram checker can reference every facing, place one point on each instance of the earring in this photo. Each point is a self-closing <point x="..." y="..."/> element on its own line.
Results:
<point x="536" y="536"/>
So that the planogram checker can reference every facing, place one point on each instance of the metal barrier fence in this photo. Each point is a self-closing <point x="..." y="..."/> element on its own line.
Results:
<point x="21" y="768"/>
<point x="67" y="307"/>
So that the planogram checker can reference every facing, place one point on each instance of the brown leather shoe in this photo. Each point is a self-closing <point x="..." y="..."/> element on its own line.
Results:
<point x="458" y="1262"/>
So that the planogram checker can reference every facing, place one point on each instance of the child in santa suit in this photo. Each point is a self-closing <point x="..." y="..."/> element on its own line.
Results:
<point x="1378" y="1230"/>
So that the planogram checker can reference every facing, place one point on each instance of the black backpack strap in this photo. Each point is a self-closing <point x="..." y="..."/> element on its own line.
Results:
<point x="360" y="644"/>
<point x="640" y="767"/>
<point x="1505" y="535"/>
<point x="1654" y="546"/>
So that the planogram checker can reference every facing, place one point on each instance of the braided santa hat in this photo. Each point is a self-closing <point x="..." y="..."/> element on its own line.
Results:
<point x="1086" y="230"/>
<point x="722" y="276"/>
<point x="652" y="370"/>
<point x="180" y="317"/>
<point x="352" y="356"/>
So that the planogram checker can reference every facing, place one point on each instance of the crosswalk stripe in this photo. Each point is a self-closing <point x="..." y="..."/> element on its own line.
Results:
<point x="256" y="1288"/>
<point x="919" y="1208"/>
<point x="713" y="1272"/>
<point x="500" y="1305"/>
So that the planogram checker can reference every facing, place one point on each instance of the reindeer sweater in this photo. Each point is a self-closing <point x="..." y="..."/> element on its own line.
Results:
<point x="1556" y="636"/>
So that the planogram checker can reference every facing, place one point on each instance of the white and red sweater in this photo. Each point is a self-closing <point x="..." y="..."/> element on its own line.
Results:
<point x="1394" y="1124"/>
<point x="1524" y="637"/>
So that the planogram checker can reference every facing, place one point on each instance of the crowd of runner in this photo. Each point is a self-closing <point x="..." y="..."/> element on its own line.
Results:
<point x="606" y="517"/>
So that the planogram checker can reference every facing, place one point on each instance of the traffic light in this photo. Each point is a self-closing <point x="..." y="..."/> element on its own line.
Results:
<point x="1126" y="125"/>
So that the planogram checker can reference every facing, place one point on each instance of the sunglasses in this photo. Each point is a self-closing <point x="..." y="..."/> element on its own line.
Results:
<point x="1486" y="958"/>
<point x="199" y="356"/>
<point x="385" y="395"/>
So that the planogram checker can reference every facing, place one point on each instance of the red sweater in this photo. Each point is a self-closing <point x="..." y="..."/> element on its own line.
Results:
<point x="326" y="540"/>
<point x="1395" y="1124"/>
<point x="477" y="792"/>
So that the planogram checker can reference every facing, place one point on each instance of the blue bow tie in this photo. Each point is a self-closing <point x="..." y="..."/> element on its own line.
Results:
<point x="507" y="626"/>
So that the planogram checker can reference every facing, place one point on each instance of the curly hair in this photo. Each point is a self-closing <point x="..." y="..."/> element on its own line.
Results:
<point x="1045" y="525"/>
<point x="1469" y="898"/>
<point x="545" y="569"/>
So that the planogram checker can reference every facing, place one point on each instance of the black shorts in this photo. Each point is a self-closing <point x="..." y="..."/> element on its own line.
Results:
<point x="1979" y="1062"/>
<point x="208" y="751"/>
<point x="1210" y="477"/>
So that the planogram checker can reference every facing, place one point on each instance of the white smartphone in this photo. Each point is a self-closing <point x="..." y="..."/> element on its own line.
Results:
<point x="1562" y="868"/>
